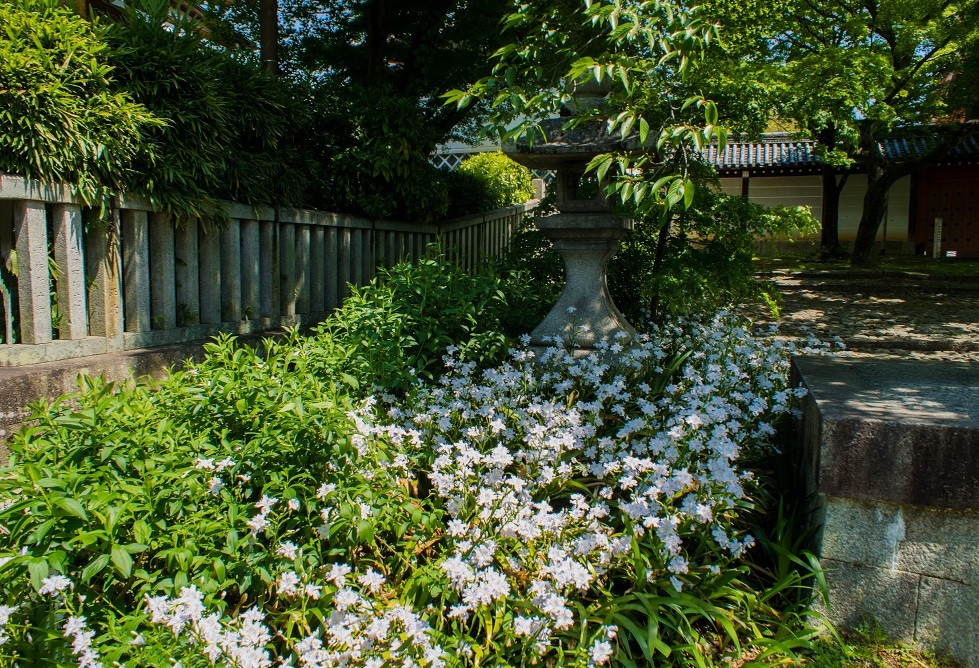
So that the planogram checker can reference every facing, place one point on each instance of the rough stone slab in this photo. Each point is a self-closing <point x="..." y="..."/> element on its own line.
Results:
<point x="895" y="431"/>
<point x="31" y="233"/>
<point x="859" y="532"/>
<point x="19" y="188"/>
<point x="136" y="270"/>
<point x="231" y="271"/>
<point x="941" y="543"/>
<point x="163" y="272"/>
<point x="860" y="593"/>
<point x="68" y="255"/>
<point x="21" y="355"/>
<point x="946" y="621"/>
<point x="188" y="273"/>
<point x="209" y="245"/>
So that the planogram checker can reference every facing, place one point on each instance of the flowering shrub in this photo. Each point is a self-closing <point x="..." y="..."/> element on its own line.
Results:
<point x="553" y="509"/>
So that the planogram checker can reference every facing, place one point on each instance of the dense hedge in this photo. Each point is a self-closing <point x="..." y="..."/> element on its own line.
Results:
<point x="62" y="115"/>
<point x="147" y="105"/>
<point x="230" y="129"/>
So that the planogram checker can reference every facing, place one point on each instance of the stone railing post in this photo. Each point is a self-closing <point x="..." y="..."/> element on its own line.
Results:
<point x="302" y="269"/>
<point x="231" y="271"/>
<point x="317" y="269"/>
<point x="136" y="270"/>
<point x="287" y="269"/>
<point x="72" y="315"/>
<point x="209" y="247"/>
<point x="103" y="266"/>
<point x="31" y="232"/>
<point x="270" y="278"/>
<point x="251" y="270"/>
<point x="332" y="268"/>
<point x="163" y="275"/>
<point x="187" y="265"/>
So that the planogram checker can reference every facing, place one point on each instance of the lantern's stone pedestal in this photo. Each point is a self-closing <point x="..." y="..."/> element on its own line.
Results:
<point x="585" y="313"/>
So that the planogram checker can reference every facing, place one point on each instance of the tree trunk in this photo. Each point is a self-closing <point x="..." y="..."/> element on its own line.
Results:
<point x="829" y="246"/>
<point x="268" y="24"/>
<point x="377" y="40"/>
<point x="874" y="207"/>
<point x="662" y="239"/>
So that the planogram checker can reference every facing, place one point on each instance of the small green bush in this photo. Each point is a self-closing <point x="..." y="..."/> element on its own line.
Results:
<point x="398" y="327"/>
<point x="487" y="181"/>
<point x="63" y="118"/>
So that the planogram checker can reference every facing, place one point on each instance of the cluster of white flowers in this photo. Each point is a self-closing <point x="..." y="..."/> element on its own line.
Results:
<point x="366" y="633"/>
<point x="363" y="631"/>
<point x="54" y="585"/>
<point x="5" y="613"/>
<point x="260" y="522"/>
<point x="81" y="636"/>
<point x="240" y="642"/>
<point x="215" y="484"/>
<point x="552" y="464"/>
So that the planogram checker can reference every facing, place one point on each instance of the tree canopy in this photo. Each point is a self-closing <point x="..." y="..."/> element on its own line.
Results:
<point x="853" y="73"/>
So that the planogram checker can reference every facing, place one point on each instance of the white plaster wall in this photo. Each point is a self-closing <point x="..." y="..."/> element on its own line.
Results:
<point x="807" y="191"/>
<point x="787" y="191"/>
<point x="898" y="208"/>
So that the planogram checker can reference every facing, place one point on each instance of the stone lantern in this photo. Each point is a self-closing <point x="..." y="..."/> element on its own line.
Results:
<point x="586" y="232"/>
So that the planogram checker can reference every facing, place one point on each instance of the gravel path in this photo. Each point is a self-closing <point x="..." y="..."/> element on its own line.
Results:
<point x="898" y="314"/>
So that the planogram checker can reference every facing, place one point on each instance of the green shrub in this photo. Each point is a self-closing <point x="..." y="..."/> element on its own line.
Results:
<point x="254" y="507"/>
<point x="398" y="327"/>
<point x="63" y="117"/>
<point x="488" y="181"/>
<point x="230" y="128"/>
<point x="704" y="263"/>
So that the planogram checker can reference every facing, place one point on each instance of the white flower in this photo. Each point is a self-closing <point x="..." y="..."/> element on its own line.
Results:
<point x="372" y="580"/>
<point x="214" y="486"/>
<point x="287" y="583"/>
<point x="53" y="585"/>
<point x="600" y="652"/>
<point x="288" y="550"/>
<point x="266" y="502"/>
<point x="293" y="504"/>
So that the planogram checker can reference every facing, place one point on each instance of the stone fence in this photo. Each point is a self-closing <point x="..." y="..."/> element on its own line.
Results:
<point x="140" y="279"/>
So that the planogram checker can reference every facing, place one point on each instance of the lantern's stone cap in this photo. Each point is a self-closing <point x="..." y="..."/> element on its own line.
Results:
<point x="563" y="146"/>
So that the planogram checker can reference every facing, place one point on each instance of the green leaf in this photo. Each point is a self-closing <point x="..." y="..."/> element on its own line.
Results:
<point x="688" y="193"/>
<point x="70" y="506"/>
<point x="38" y="569"/>
<point x="122" y="561"/>
<point x="94" y="567"/>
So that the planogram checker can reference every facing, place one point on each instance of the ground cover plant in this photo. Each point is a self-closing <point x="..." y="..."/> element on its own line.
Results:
<point x="478" y="508"/>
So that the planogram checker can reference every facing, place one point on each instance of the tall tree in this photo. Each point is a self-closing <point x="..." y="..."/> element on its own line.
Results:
<point x="853" y="74"/>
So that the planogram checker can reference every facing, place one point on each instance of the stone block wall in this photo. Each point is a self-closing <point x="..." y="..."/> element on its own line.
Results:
<point x="892" y="453"/>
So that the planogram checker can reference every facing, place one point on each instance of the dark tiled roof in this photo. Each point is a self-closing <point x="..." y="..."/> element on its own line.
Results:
<point x="782" y="150"/>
